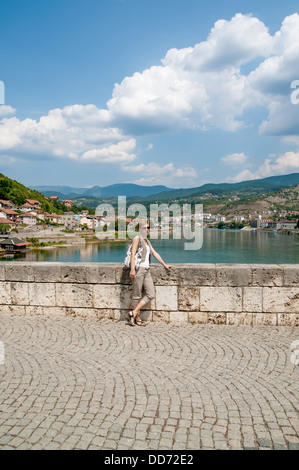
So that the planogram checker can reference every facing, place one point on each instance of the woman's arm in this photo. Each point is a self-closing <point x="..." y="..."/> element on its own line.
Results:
<point x="159" y="259"/>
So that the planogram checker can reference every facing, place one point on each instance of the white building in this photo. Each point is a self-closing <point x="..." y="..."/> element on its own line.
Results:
<point x="69" y="220"/>
<point x="220" y="218"/>
<point x="28" y="218"/>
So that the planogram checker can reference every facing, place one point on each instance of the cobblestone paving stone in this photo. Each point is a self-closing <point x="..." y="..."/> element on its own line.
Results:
<point x="83" y="383"/>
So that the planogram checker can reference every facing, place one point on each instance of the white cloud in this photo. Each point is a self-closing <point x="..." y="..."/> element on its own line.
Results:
<point x="284" y="164"/>
<point x="153" y="173"/>
<point x="66" y="133"/>
<point x="116" y="153"/>
<point x="197" y="87"/>
<point x="235" y="159"/>
<point x="157" y="99"/>
<point x="203" y="87"/>
<point x="273" y="78"/>
<point x="200" y="87"/>
<point x="6" y="110"/>
<point x="229" y="45"/>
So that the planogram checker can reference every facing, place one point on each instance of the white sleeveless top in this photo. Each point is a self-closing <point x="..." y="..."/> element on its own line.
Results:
<point x="145" y="263"/>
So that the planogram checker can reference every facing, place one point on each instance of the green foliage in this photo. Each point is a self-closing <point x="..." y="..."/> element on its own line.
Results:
<point x="236" y="225"/>
<point x="3" y="228"/>
<point x="17" y="193"/>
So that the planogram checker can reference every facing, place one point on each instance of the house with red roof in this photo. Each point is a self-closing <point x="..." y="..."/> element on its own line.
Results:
<point x="9" y="214"/>
<point x="14" y="244"/>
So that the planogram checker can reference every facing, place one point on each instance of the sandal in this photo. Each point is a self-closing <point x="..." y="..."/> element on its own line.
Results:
<point x="131" y="318"/>
<point x="141" y="323"/>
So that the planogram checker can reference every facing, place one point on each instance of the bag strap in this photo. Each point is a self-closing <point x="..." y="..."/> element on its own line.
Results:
<point x="140" y="242"/>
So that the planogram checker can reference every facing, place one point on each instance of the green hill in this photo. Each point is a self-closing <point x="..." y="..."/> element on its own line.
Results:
<point x="18" y="193"/>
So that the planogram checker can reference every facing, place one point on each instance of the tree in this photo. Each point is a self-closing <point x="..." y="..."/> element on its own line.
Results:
<point x="3" y="228"/>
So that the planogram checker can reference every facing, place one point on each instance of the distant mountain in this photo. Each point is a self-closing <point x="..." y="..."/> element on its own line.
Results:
<point x="265" y="185"/>
<point x="65" y="190"/>
<point x="114" y="190"/>
<point x="160" y="193"/>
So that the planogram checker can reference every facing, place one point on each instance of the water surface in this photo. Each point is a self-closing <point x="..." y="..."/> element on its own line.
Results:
<point x="219" y="246"/>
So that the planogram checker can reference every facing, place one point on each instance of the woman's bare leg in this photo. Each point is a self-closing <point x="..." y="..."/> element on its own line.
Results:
<point x="136" y="310"/>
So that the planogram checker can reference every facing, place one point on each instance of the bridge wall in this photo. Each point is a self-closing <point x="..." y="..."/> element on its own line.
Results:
<point x="229" y="294"/>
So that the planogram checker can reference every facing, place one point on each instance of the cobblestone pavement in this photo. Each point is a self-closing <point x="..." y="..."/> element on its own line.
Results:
<point x="75" y="383"/>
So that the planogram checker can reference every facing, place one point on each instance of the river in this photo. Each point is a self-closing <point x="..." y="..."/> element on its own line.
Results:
<point x="219" y="246"/>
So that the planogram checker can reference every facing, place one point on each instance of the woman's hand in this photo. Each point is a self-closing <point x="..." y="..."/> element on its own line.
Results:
<point x="133" y="274"/>
<point x="168" y="266"/>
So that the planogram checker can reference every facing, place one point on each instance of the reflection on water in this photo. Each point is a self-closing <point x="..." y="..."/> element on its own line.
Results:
<point x="219" y="246"/>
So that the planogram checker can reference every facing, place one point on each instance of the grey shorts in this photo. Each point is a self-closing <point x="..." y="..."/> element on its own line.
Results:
<point x="143" y="286"/>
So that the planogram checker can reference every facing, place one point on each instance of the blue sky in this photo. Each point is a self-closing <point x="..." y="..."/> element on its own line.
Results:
<point x="167" y="92"/>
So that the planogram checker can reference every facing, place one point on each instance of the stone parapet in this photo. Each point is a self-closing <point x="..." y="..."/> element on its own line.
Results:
<point x="229" y="294"/>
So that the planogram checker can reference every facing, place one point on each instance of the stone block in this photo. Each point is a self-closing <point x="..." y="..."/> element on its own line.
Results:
<point x="217" y="318"/>
<point x="291" y="275"/>
<point x="5" y="293"/>
<point x="197" y="275"/>
<point x="120" y="315"/>
<point x="267" y="275"/>
<point x="101" y="273"/>
<point x="281" y="299"/>
<point x="288" y="319"/>
<point x="19" y="272"/>
<point x="236" y="318"/>
<point x="74" y="295"/>
<point x="55" y="311"/>
<point x="122" y="275"/>
<point x="264" y="319"/>
<point x="92" y="273"/>
<point x="42" y="294"/>
<point x="252" y="299"/>
<point x="73" y="273"/>
<point x="146" y="315"/>
<point x="163" y="277"/>
<point x="189" y="298"/>
<point x="166" y="298"/>
<point x="178" y="317"/>
<point x="34" y="310"/>
<point x="198" y="317"/>
<point x="221" y="299"/>
<point x="2" y="272"/>
<point x="111" y="296"/>
<point x="159" y="315"/>
<point x="46" y="310"/>
<point x="19" y="293"/>
<point x="233" y="275"/>
<point x="47" y="272"/>
<point x="12" y="310"/>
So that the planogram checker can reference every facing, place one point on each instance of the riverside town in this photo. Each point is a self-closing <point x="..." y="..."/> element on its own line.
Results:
<point x="22" y="225"/>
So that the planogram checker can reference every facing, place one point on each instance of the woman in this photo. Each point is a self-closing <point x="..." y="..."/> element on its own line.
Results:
<point x="141" y="278"/>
